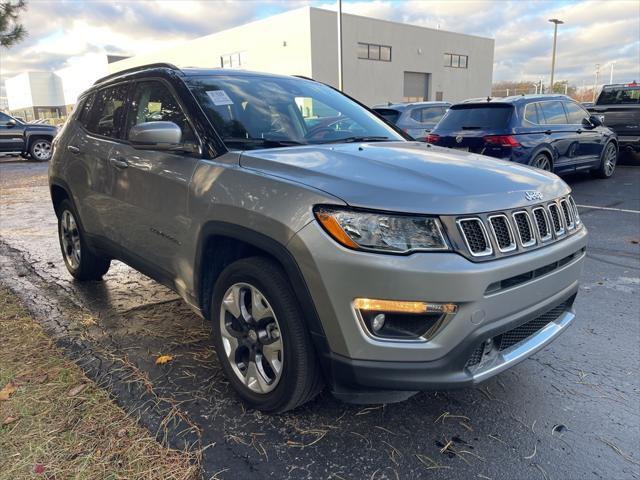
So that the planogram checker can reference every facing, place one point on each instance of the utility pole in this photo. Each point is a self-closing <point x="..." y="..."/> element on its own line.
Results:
<point x="555" y="22"/>
<point x="595" y="83"/>
<point x="340" y="81"/>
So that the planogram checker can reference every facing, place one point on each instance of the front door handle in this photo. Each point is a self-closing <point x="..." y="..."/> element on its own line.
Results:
<point x="73" y="149"/>
<point x="579" y="130"/>
<point x="548" y="132"/>
<point x="119" y="163"/>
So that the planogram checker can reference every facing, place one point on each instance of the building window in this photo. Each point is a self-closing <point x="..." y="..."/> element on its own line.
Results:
<point x="455" y="60"/>
<point x="369" y="51"/>
<point x="234" y="60"/>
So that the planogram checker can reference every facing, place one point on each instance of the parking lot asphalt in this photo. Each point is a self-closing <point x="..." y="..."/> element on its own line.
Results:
<point x="572" y="411"/>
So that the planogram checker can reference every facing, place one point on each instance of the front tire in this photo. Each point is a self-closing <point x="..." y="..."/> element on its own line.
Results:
<point x="607" y="162"/>
<point x="40" y="149"/>
<point x="261" y="339"/>
<point x="80" y="261"/>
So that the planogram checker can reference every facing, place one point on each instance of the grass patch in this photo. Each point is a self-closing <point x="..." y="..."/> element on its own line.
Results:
<point x="56" y="423"/>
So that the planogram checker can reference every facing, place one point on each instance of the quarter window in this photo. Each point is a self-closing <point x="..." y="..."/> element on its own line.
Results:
<point x="553" y="113"/>
<point x="107" y="111"/>
<point x="371" y="51"/>
<point x="575" y="113"/>
<point x="455" y="60"/>
<point x="531" y="113"/>
<point x="153" y="102"/>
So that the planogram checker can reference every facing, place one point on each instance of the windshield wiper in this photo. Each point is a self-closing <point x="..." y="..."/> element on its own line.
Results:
<point x="357" y="139"/>
<point x="263" y="142"/>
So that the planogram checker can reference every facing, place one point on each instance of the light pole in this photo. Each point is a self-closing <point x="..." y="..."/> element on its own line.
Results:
<point x="595" y="83"/>
<point x="555" y="22"/>
<point x="611" y="74"/>
<point x="340" y="83"/>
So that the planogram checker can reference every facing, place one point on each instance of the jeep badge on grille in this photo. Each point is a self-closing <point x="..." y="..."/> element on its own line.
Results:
<point x="533" y="195"/>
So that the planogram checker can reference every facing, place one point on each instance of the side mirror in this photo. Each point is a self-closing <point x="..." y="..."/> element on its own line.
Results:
<point x="595" y="121"/>
<point x="11" y="122"/>
<point x="155" y="135"/>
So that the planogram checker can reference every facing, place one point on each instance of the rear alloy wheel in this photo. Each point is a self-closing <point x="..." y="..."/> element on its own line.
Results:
<point x="81" y="262"/>
<point x="542" y="162"/>
<point x="261" y="338"/>
<point x="608" y="161"/>
<point x="41" y="150"/>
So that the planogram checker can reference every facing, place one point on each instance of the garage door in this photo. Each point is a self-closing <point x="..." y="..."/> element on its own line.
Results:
<point x="416" y="86"/>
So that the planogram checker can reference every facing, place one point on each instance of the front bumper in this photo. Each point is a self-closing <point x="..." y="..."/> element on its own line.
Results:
<point x="335" y="276"/>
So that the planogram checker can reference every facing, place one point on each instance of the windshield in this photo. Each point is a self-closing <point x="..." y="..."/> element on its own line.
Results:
<point x="251" y="112"/>
<point x="476" y="117"/>
<point x="619" y="95"/>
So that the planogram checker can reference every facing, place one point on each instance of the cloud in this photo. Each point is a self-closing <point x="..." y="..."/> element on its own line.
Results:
<point x="594" y="32"/>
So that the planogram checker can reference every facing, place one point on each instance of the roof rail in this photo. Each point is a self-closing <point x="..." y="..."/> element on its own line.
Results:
<point x="135" y="69"/>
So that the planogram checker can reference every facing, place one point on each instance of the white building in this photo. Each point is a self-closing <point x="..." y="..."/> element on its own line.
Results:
<point x="35" y="95"/>
<point x="383" y="61"/>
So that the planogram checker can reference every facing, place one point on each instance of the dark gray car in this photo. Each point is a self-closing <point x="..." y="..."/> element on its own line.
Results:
<point x="323" y="251"/>
<point x="415" y="119"/>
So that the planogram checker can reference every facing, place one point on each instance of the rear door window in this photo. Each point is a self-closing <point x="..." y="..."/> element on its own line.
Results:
<point x="428" y="115"/>
<point x="575" y="113"/>
<point x="107" y="111"/>
<point x="553" y="113"/>
<point x="477" y="117"/>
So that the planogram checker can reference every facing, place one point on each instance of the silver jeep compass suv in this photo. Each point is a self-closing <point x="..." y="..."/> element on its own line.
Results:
<point x="324" y="246"/>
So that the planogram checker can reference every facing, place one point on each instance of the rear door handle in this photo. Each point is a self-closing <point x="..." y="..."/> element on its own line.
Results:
<point x="73" y="149"/>
<point x="548" y="132"/>
<point x="118" y="163"/>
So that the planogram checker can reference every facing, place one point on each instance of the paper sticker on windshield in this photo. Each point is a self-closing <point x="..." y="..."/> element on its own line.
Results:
<point x="219" y="97"/>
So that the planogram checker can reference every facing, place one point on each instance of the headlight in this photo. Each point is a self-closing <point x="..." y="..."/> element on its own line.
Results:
<point x="392" y="233"/>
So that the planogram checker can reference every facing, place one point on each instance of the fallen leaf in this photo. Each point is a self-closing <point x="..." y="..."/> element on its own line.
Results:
<point x="6" y="392"/>
<point x="38" y="468"/>
<point x="77" y="389"/>
<point x="122" y="433"/>
<point x="162" y="359"/>
<point x="9" y="420"/>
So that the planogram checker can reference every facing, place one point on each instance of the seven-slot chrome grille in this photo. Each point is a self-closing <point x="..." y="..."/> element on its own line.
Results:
<point x="518" y="230"/>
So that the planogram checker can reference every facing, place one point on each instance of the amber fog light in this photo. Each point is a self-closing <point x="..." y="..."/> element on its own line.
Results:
<point x="408" y="320"/>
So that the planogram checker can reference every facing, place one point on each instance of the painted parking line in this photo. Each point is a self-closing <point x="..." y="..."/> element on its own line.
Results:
<point x="609" y="208"/>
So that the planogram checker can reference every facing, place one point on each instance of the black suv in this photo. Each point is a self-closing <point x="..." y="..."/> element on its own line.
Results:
<point x="26" y="138"/>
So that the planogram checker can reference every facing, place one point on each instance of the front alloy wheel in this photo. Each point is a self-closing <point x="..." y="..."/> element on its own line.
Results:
<point x="261" y="337"/>
<point x="251" y="338"/>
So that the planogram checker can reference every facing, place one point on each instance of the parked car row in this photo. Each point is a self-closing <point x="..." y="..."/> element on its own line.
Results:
<point x="550" y="132"/>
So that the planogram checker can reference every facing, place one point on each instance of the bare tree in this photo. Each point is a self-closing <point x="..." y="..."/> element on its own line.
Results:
<point x="11" y="30"/>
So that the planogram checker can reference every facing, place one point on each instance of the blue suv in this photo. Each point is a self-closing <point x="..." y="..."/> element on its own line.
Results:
<point x="551" y="132"/>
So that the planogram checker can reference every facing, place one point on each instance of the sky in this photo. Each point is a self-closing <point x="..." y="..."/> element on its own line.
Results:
<point x="603" y="31"/>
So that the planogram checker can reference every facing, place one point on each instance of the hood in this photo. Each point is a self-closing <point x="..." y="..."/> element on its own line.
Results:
<point x="409" y="177"/>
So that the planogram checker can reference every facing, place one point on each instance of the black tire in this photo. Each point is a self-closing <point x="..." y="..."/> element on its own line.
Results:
<point x="608" y="161"/>
<point x="542" y="161"/>
<point x="40" y="149"/>
<point x="300" y="379"/>
<point x="86" y="265"/>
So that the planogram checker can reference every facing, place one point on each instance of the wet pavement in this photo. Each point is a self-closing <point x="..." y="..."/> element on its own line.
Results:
<point x="570" y="411"/>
